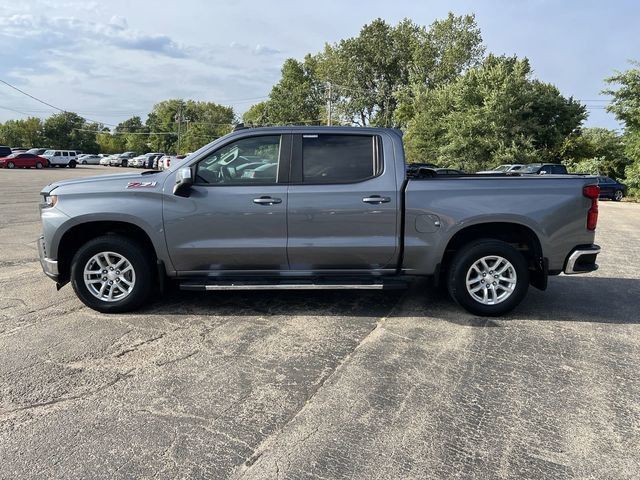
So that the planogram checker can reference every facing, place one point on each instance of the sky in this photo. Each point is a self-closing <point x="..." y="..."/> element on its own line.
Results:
<point x="112" y="59"/>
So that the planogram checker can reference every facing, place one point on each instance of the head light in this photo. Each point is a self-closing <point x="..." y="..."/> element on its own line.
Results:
<point x="50" y="201"/>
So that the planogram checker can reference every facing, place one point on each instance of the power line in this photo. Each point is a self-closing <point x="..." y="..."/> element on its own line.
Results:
<point x="13" y="110"/>
<point x="48" y="104"/>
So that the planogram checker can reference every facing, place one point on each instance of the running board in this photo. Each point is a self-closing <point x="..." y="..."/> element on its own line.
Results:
<point x="292" y="285"/>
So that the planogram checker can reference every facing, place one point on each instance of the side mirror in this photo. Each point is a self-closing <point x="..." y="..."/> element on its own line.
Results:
<point x="184" y="181"/>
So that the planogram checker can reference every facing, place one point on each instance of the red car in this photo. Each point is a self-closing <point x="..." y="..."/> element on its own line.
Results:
<point x="23" y="160"/>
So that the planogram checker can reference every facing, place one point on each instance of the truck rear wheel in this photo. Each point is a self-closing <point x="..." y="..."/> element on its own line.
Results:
<point x="488" y="277"/>
<point x="112" y="274"/>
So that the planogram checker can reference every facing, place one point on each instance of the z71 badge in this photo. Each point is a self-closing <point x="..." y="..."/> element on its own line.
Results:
<point x="141" y="184"/>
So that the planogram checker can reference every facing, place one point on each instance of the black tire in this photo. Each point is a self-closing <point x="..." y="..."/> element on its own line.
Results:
<point x="617" y="195"/>
<point x="140" y="261"/>
<point x="11" y="165"/>
<point x="72" y="164"/>
<point x="38" y="165"/>
<point x="468" y="256"/>
<point x="84" y="162"/>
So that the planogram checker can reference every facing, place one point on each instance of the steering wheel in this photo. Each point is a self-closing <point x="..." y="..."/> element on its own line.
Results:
<point x="225" y="174"/>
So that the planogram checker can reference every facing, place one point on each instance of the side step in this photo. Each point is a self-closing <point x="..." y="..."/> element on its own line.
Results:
<point x="290" y="284"/>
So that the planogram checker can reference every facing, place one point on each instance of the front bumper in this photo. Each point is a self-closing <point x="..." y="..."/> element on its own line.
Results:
<point x="582" y="259"/>
<point x="50" y="267"/>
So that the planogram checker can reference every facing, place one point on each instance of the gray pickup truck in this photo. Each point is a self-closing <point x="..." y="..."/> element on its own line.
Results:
<point x="314" y="208"/>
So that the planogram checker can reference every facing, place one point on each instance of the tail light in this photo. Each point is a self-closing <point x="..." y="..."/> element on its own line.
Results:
<point x="592" y="192"/>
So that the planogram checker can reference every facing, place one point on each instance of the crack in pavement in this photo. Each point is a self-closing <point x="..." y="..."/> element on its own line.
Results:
<point x="264" y="446"/>
<point x="135" y="347"/>
<point x="119" y="377"/>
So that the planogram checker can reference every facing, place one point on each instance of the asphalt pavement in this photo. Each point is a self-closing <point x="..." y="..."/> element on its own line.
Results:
<point x="317" y="385"/>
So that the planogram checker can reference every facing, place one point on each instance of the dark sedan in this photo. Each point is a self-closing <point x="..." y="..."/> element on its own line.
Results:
<point x="612" y="189"/>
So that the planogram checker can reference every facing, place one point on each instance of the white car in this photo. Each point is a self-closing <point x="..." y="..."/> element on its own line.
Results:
<point x="107" y="160"/>
<point x="137" y="161"/>
<point x="508" y="167"/>
<point x="88" y="159"/>
<point x="61" y="158"/>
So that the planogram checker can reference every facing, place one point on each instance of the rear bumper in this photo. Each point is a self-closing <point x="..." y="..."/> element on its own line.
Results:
<point x="582" y="259"/>
<point x="49" y="267"/>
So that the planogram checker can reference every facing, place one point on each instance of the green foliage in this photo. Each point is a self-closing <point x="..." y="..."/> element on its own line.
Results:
<point x="632" y="174"/>
<point x="368" y="77"/>
<point x="198" y="123"/>
<point x="22" y="132"/>
<point x="595" y="150"/>
<point x="70" y="130"/>
<point x="257" y="114"/>
<point x="374" y="74"/>
<point x="296" y="98"/>
<point x="626" y="107"/>
<point x="494" y="113"/>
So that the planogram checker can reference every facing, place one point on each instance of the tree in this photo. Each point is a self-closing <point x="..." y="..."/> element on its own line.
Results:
<point x="193" y="123"/>
<point x="26" y="133"/>
<point x="68" y="130"/>
<point x="257" y="114"/>
<point x="368" y="76"/>
<point x="297" y="98"/>
<point x="626" y="107"/>
<point x="495" y="113"/>
<point x="595" y="150"/>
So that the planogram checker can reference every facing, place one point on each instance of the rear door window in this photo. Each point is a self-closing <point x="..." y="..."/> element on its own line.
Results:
<point x="339" y="158"/>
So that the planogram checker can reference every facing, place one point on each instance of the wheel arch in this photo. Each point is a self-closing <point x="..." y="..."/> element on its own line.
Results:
<point x="522" y="237"/>
<point x="79" y="234"/>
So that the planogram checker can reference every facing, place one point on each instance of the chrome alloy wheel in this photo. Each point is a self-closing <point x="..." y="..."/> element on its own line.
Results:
<point x="618" y="195"/>
<point x="491" y="280"/>
<point x="109" y="276"/>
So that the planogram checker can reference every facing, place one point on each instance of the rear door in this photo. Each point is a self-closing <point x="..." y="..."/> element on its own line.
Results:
<point x="343" y="204"/>
<point x="235" y="218"/>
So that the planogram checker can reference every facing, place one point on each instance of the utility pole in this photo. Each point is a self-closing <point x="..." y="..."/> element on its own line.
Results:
<point x="178" y="119"/>
<point x="330" y="104"/>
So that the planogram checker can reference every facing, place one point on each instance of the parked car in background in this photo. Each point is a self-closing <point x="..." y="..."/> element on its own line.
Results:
<point x="18" y="149"/>
<point x="4" y="151"/>
<point x="165" y="162"/>
<point x="122" y="160"/>
<point x="23" y="160"/>
<point x="36" y="151"/>
<point x="544" y="169"/>
<point x="61" y="158"/>
<point x="105" y="160"/>
<point x="505" y="168"/>
<point x="449" y="171"/>
<point x="136" y="162"/>
<point x="144" y="161"/>
<point x="88" y="159"/>
<point x="415" y="167"/>
<point x="612" y="189"/>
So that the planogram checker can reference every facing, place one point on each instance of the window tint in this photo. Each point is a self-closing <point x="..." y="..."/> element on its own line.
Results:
<point x="252" y="160"/>
<point x="338" y="158"/>
<point x="57" y="154"/>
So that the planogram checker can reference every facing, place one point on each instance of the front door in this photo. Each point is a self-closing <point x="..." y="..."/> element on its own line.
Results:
<point x="343" y="204"/>
<point x="235" y="219"/>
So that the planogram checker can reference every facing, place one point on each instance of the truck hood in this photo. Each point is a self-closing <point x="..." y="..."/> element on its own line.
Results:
<point x="119" y="178"/>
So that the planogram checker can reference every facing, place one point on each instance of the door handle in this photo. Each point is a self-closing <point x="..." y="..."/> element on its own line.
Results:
<point x="376" y="199"/>
<point x="267" y="201"/>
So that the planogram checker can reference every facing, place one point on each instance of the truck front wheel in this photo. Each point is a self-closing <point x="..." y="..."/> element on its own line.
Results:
<point x="488" y="277"/>
<point x="112" y="274"/>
